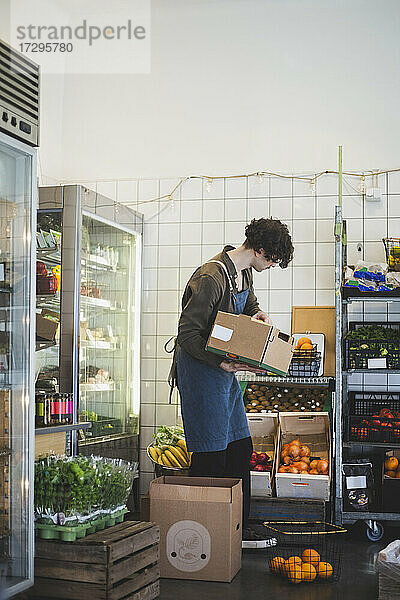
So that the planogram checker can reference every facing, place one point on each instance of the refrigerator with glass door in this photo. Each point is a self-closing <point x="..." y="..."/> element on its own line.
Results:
<point x="18" y="197"/>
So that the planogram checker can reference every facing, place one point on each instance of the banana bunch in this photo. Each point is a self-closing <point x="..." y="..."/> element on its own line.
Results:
<point x="175" y="456"/>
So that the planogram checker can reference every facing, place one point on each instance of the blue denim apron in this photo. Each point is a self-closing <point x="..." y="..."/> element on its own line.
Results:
<point x="211" y="401"/>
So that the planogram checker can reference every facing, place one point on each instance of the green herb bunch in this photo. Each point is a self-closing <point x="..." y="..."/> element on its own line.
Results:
<point x="80" y="485"/>
<point x="168" y="436"/>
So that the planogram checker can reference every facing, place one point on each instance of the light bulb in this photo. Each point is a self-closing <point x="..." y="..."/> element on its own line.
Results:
<point x="209" y="185"/>
<point x="362" y="186"/>
<point x="260" y="178"/>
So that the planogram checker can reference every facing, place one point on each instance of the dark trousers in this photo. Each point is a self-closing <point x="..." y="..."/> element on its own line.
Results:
<point x="232" y="462"/>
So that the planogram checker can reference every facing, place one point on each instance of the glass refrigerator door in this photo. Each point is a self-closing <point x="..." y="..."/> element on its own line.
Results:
<point x="108" y="378"/>
<point x="48" y="306"/>
<point x="17" y="212"/>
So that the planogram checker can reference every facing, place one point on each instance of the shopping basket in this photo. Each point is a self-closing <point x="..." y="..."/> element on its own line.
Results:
<point x="306" y="552"/>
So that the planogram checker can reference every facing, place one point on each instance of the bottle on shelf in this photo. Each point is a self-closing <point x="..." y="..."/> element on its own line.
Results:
<point x="39" y="409"/>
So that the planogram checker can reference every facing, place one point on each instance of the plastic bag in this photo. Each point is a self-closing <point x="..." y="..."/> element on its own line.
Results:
<point x="362" y="285"/>
<point x="370" y="271"/>
<point x="393" y="278"/>
<point x="71" y="490"/>
<point x="388" y="561"/>
<point x="358" y="485"/>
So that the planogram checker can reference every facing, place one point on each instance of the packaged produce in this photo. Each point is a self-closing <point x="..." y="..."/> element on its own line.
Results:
<point x="388" y="567"/>
<point x="75" y="490"/>
<point x="358" y="485"/>
<point x="370" y="277"/>
<point x="370" y="271"/>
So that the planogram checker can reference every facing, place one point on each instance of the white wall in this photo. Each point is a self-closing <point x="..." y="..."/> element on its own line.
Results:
<point x="236" y="86"/>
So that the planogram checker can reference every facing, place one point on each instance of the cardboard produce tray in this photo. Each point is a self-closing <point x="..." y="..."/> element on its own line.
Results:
<point x="314" y="431"/>
<point x="264" y="430"/>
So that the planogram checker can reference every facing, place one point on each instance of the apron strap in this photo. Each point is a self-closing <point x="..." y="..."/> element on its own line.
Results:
<point x="226" y="272"/>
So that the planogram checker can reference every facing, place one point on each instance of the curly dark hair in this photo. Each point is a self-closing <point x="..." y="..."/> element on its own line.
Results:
<point x="273" y="237"/>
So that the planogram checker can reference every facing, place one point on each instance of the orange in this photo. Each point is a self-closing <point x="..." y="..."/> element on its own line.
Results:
<point x="306" y="346"/>
<point x="391" y="463"/>
<point x="294" y="574"/>
<point x="308" y="572"/>
<point x="311" y="556"/>
<point x="291" y="563"/>
<point x="303" y="340"/>
<point x="277" y="564"/>
<point x="390" y="474"/>
<point x="324" y="570"/>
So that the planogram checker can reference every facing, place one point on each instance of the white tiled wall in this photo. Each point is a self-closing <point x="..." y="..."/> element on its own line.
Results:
<point x="202" y="218"/>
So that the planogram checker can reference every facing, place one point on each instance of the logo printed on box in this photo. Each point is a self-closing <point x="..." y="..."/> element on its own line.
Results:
<point x="188" y="546"/>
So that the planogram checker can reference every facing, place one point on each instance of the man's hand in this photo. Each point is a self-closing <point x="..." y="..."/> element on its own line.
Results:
<point x="232" y="367"/>
<point x="262" y="316"/>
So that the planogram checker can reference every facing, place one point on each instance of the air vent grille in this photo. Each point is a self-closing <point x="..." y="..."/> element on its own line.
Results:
<point x="19" y="95"/>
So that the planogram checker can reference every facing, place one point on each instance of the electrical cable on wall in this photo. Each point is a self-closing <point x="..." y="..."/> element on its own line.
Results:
<point x="258" y="174"/>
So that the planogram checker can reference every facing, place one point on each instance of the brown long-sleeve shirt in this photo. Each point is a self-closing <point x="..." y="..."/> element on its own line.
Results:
<point x="207" y="292"/>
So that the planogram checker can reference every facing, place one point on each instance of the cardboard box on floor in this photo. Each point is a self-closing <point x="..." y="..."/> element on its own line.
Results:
<point x="264" y="434"/>
<point x="243" y="338"/>
<point x="313" y="430"/>
<point x="200" y="521"/>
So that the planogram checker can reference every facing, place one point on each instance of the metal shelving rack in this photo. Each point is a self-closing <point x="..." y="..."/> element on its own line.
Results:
<point x="373" y="520"/>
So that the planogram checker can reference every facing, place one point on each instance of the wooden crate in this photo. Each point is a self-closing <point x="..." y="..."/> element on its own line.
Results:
<point x="121" y="562"/>
<point x="287" y="509"/>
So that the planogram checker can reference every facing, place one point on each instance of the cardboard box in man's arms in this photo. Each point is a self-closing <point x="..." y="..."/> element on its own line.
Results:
<point x="248" y="340"/>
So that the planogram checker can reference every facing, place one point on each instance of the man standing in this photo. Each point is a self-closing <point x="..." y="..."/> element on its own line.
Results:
<point x="213" y="413"/>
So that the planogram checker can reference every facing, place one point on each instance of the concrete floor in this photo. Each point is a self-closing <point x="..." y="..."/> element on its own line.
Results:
<point x="254" y="582"/>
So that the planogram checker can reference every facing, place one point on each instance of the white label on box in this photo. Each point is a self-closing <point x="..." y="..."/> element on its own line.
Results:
<point x="377" y="363"/>
<point x="188" y="546"/>
<point x="221" y="333"/>
<point x="356" y="483"/>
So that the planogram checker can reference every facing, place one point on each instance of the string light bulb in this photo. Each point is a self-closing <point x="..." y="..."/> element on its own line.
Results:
<point x="362" y="186"/>
<point x="171" y="201"/>
<point x="209" y="183"/>
<point x="260" y="178"/>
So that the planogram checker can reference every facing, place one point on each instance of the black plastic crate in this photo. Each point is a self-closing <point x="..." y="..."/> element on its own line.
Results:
<point x="105" y="426"/>
<point x="305" y="363"/>
<point x="358" y="352"/>
<point x="314" y="541"/>
<point x="364" y="422"/>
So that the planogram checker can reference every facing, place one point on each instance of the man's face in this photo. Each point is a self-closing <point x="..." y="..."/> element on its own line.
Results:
<point x="261" y="262"/>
